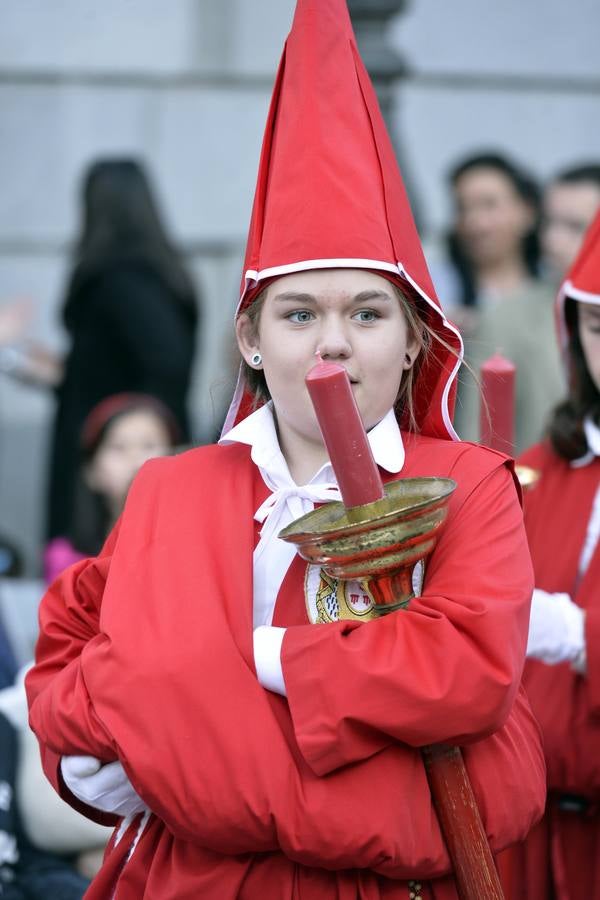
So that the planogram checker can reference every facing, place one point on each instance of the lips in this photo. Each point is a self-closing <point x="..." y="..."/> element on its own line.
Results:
<point x="351" y="377"/>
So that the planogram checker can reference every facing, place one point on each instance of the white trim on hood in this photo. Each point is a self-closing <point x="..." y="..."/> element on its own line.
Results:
<point x="574" y="293"/>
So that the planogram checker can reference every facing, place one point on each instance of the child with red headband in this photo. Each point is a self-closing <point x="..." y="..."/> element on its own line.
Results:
<point x="561" y="857"/>
<point x="120" y="434"/>
<point x="257" y="741"/>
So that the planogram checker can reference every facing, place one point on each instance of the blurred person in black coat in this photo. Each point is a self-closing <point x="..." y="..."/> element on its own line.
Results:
<point x="131" y="313"/>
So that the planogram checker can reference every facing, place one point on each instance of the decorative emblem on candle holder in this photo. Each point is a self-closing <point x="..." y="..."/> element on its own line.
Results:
<point x="379" y="542"/>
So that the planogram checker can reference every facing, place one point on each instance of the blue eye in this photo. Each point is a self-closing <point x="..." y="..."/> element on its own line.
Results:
<point x="366" y="315"/>
<point x="300" y="316"/>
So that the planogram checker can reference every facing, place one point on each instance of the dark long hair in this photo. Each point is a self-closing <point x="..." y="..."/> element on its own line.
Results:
<point x="566" y="425"/>
<point x="121" y="224"/>
<point x="527" y="190"/>
<point x="584" y="173"/>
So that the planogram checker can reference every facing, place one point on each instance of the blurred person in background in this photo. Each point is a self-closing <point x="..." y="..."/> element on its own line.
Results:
<point x="492" y="245"/>
<point x="131" y="313"/>
<point x="490" y="287"/>
<point x="120" y="434"/>
<point x="70" y="847"/>
<point x="52" y="851"/>
<point x="571" y="200"/>
<point x="28" y="870"/>
<point x="561" y="856"/>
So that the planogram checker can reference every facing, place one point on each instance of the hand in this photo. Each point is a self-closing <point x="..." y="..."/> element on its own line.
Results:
<point x="15" y="317"/>
<point x="40" y="366"/>
<point x="106" y="788"/>
<point x="556" y="628"/>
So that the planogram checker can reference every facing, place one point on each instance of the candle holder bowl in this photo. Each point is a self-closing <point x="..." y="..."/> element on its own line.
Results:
<point x="378" y="542"/>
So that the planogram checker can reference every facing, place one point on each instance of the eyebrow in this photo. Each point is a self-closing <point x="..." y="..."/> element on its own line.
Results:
<point x="362" y="297"/>
<point x="294" y="297"/>
<point x="367" y="296"/>
<point x="590" y="310"/>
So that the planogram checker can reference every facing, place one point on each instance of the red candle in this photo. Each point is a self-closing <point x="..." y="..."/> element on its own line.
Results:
<point x="497" y="414"/>
<point x="344" y="434"/>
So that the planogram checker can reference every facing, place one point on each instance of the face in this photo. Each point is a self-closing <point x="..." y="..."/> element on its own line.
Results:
<point x="568" y="212"/>
<point x="350" y="317"/>
<point x="129" y="441"/>
<point x="589" y="335"/>
<point x="491" y="217"/>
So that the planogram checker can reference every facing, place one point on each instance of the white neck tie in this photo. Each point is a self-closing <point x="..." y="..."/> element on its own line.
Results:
<point x="288" y="503"/>
<point x="283" y="506"/>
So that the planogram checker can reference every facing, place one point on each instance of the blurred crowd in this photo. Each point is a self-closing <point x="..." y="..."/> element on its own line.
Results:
<point x="131" y="311"/>
<point x="506" y="252"/>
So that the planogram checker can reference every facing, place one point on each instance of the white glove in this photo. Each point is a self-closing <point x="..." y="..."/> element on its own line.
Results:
<point x="106" y="788"/>
<point x="556" y="629"/>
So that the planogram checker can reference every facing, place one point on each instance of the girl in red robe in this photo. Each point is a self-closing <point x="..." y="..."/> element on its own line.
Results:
<point x="561" y="857"/>
<point x="247" y="723"/>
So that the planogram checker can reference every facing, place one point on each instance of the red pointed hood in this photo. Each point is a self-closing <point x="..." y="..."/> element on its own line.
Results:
<point x="582" y="282"/>
<point x="329" y="193"/>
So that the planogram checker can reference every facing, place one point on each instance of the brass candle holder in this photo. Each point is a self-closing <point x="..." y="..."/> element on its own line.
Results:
<point x="378" y="543"/>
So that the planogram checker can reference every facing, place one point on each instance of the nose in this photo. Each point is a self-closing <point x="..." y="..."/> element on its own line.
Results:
<point x="333" y="341"/>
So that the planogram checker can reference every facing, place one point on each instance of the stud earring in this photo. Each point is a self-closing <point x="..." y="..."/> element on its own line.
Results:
<point x="256" y="359"/>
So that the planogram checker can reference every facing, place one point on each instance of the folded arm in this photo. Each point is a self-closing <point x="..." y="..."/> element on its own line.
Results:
<point x="444" y="670"/>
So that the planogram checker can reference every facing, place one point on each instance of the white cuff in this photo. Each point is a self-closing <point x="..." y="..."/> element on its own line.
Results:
<point x="556" y="628"/>
<point x="267" y="657"/>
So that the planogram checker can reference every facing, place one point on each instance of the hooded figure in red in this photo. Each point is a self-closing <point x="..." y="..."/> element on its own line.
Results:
<point x="248" y="723"/>
<point x="561" y="857"/>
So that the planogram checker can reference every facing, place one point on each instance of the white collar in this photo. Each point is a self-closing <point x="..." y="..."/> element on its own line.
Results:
<point x="258" y="430"/>
<point x="592" y="436"/>
<point x="287" y="500"/>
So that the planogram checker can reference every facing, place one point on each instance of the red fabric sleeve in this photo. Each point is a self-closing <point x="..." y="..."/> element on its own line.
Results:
<point x="61" y="712"/>
<point x="445" y="670"/>
<point x="592" y="644"/>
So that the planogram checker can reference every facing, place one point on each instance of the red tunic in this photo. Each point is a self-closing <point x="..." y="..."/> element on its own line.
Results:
<point x="146" y="655"/>
<point x="561" y="857"/>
